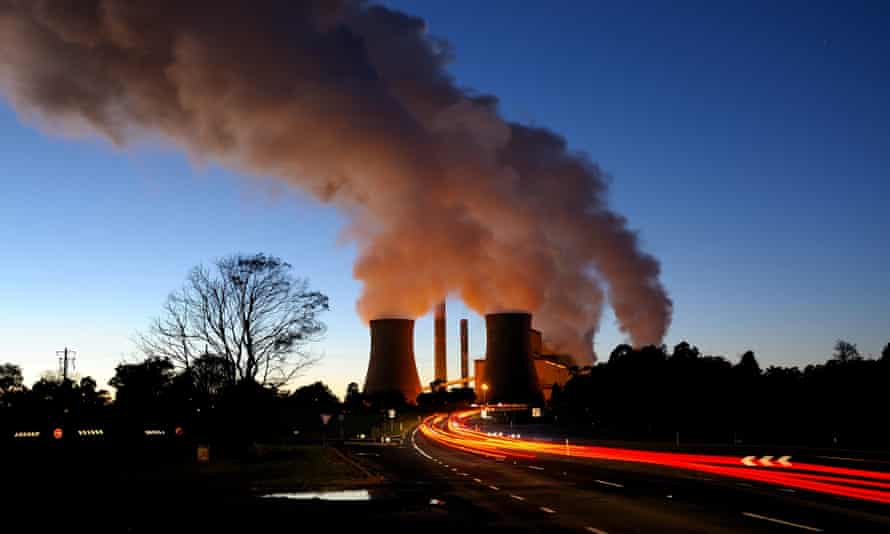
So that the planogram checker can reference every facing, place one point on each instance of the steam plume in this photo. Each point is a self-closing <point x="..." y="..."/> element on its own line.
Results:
<point x="351" y="102"/>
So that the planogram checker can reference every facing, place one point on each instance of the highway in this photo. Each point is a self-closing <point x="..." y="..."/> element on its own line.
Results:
<point x="531" y="492"/>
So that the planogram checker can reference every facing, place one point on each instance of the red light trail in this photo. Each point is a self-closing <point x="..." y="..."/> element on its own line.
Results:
<point x="452" y="431"/>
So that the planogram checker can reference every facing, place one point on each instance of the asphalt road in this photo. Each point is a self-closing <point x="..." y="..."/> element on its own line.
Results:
<point x="556" y="494"/>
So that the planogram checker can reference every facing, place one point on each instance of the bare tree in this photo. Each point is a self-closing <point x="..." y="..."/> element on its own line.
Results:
<point x="169" y="335"/>
<point x="844" y="351"/>
<point x="250" y="311"/>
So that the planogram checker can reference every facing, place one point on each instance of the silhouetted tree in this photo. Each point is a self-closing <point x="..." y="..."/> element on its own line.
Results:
<point x="10" y="377"/>
<point x="11" y="385"/>
<point x="640" y="393"/>
<point x="748" y="365"/>
<point x="209" y="374"/>
<point x="845" y="351"/>
<point x="885" y="354"/>
<point x="354" y="400"/>
<point x="90" y="396"/>
<point x="621" y="352"/>
<point x="683" y="351"/>
<point x="250" y="311"/>
<point x="143" y="385"/>
<point x="318" y="397"/>
<point x="438" y="385"/>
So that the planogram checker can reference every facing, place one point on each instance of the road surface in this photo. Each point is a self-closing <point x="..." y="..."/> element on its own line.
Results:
<point x="578" y="495"/>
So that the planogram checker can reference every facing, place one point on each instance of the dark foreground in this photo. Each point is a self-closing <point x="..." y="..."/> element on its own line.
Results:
<point x="416" y="487"/>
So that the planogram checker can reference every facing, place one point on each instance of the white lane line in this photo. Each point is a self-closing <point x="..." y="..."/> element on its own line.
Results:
<point x="464" y="474"/>
<point x="607" y="483"/>
<point x="536" y="468"/>
<point x="782" y="522"/>
<point x="844" y="458"/>
<point x="517" y="497"/>
<point x="548" y="510"/>
<point x="417" y="447"/>
<point x="595" y="530"/>
<point x="495" y="488"/>
<point x="477" y="480"/>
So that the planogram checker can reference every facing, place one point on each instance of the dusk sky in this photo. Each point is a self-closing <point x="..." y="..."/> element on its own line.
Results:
<point x="748" y="143"/>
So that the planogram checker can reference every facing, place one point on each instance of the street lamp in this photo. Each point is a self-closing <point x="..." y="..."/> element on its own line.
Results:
<point x="485" y="394"/>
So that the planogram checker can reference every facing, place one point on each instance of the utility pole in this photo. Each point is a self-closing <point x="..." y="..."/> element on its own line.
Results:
<point x="66" y="356"/>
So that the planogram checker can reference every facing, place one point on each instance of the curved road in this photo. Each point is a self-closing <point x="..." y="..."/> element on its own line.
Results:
<point x="529" y="491"/>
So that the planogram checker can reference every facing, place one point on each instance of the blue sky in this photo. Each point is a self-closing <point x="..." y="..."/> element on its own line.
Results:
<point x="747" y="142"/>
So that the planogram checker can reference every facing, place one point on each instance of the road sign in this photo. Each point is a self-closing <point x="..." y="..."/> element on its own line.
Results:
<point x="766" y="461"/>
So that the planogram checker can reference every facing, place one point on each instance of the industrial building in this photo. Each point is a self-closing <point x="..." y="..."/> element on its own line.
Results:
<point x="550" y="368"/>
<point x="517" y="367"/>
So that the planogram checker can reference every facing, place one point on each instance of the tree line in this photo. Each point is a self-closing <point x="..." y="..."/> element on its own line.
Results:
<point x="651" y="393"/>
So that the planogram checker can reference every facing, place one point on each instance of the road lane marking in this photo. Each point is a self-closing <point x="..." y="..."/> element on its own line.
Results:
<point x="417" y="447"/>
<point x="517" y="497"/>
<point x="844" y="458"/>
<point x="607" y="483"/>
<point x="477" y="480"/>
<point x="495" y="488"/>
<point x="595" y="530"/>
<point x="548" y="510"/>
<point x="782" y="522"/>
<point x="464" y="474"/>
<point x="535" y="467"/>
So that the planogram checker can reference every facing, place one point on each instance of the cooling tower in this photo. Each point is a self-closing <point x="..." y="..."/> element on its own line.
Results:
<point x="441" y="363"/>
<point x="392" y="367"/>
<point x="464" y="351"/>
<point x="509" y="370"/>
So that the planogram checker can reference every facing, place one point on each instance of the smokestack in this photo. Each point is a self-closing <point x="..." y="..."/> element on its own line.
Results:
<point x="509" y="369"/>
<point x="464" y="351"/>
<point x="441" y="360"/>
<point x="391" y="367"/>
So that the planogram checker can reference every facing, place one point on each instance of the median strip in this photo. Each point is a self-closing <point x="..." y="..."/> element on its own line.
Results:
<point x="781" y="522"/>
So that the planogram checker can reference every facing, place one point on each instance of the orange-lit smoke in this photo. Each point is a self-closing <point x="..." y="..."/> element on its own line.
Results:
<point x="351" y="102"/>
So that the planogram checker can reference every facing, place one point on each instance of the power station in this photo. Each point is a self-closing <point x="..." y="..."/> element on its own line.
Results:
<point x="509" y="370"/>
<point x="515" y="368"/>
<point x="391" y="366"/>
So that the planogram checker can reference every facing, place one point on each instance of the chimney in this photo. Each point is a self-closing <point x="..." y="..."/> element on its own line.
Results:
<point x="392" y="367"/>
<point x="509" y="369"/>
<point x="441" y="363"/>
<point x="464" y="352"/>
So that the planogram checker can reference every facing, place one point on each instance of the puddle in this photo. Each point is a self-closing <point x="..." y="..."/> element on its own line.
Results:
<point x="343" y="495"/>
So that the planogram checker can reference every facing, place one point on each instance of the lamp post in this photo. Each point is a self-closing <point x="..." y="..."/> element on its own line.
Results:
<point x="485" y="395"/>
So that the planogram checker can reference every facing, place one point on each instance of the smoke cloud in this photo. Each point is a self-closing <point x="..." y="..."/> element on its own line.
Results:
<point x="351" y="102"/>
